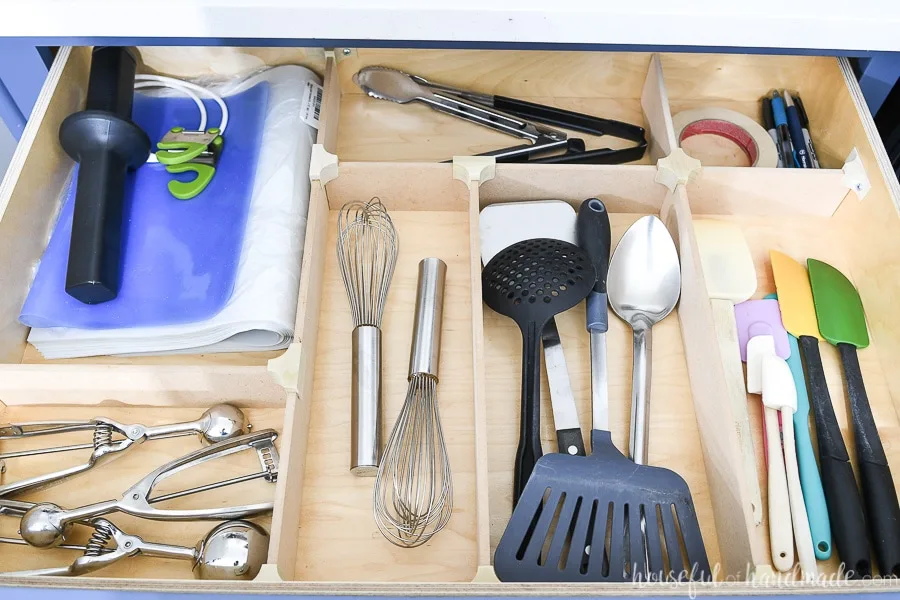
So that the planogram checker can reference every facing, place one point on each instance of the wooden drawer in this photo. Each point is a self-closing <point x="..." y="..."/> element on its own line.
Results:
<point x="323" y="535"/>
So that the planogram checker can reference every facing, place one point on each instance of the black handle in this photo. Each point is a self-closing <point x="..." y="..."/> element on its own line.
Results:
<point x="106" y="143"/>
<point x="879" y="494"/>
<point x="569" y="119"/>
<point x="600" y="156"/>
<point x="594" y="235"/>
<point x="848" y="524"/>
<point x="529" y="450"/>
<point x="570" y="441"/>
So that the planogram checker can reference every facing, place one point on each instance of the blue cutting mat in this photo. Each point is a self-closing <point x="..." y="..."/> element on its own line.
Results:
<point x="180" y="257"/>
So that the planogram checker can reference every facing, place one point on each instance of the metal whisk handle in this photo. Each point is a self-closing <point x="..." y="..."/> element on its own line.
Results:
<point x="425" y="353"/>
<point x="365" y="411"/>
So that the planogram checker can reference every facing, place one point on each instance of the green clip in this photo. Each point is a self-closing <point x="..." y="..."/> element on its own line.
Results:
<point x="185" y="190"/>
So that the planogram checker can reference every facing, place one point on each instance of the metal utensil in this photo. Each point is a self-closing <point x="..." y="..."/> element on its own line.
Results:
<point x="367" y="253"/>
<point x="221" y="422"/>
<point x="842" y="322"/>
<point x="594" y="235"/>
<point x="503" y="224"/>
<point x="384" y="83"/>
<point x="233" y="550"/>
<point x="845" y="509"/>
<point x="414" y="487"/>
<point x="530" y="282"/>
<point x="730" y="277"/>
<point x="644" y="283"/>
<point x="45" y="525"/>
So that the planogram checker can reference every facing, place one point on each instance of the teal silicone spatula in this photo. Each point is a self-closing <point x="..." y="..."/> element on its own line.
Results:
<point x="842" y="322"/>
<point x="810" y="481"/>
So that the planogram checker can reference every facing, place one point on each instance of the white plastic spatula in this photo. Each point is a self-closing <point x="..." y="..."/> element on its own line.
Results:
<point x="779" y="392"/>
<point x="730" y="279"/>
<point x="781" y="537"/>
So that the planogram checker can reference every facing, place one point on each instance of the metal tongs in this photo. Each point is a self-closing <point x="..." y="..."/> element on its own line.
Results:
<point x="221" y="422"/>
<point x="46" y="525"/>
<point x="385" y="83"/>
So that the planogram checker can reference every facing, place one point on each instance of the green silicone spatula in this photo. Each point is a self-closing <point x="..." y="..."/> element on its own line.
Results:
<point x="842" y="322"/>
<point x="845" y="509"/>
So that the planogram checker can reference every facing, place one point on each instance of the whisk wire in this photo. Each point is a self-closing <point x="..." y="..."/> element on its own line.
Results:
<point x="413" y="489"/>
<point x="367" y="253"/>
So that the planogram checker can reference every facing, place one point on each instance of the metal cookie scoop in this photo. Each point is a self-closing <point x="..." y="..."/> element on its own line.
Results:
<point x="221" y="422"/>
<point x="45" y="525"/>
<point x="234" y="550"/>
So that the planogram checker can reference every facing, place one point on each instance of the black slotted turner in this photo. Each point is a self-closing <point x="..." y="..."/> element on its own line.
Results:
<point x="530" y="282"/>
<point x="589" y="510"/>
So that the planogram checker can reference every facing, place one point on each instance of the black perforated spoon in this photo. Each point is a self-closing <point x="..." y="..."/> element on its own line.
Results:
<point x="530" y="282"/>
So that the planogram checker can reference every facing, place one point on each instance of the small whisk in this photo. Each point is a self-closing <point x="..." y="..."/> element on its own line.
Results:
<point x="367" y="253"/>
<point x="414" y="488"/>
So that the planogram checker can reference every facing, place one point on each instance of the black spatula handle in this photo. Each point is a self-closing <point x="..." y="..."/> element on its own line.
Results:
<point x="529" y="450"/>
<point x="848" y="524"/>
<point x="594" y="236"/>
<point x="879" y="493"/>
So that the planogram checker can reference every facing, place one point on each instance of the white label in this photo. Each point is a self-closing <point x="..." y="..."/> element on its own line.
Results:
<point x="311" y="104"/>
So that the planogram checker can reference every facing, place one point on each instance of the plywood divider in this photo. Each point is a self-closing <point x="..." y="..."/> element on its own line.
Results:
<point x="623" y="188"/>
<point x="740" y="541"/>
<point x="657" y="116"/>
<point x="759" y="191"/>
<point x="400" y="186"/>
<point x="329" y="114"/>
<point x="289" y="491"/>
<point x="474" y="171"/>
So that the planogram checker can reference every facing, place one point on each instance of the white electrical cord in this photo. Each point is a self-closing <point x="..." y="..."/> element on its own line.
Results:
<point x="186" y="91"/>
<point x="191" y="89"/>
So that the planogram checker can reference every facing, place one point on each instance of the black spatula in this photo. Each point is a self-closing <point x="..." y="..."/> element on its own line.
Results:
<point x="530" y="282"/>
<point x="579" y="520"/>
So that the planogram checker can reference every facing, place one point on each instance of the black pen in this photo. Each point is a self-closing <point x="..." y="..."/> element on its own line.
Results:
<point x="781" y="129"/>
<point x="769" y="122"/>
<point x="801" y="154"/>
<point x="804" y="120"/>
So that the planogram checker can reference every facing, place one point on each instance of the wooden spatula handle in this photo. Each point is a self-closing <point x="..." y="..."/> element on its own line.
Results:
<point x="781" y="536"/>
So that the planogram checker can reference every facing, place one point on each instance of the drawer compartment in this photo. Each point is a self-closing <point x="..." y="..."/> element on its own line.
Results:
<point x="323" y="536"/>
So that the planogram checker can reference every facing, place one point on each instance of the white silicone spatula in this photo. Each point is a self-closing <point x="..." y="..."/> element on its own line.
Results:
<point x="779" y="392"/>
<point x="781" y="537"/>
<point x="730" y="279"/>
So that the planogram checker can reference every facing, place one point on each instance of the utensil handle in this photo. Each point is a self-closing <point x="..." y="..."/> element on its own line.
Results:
<point x="594" y="236"/>
<point x="529" y="450"/>
<point x="729" y="350"/>
<point x="568" y="119"/>
<point x="848" y="525"/>
<point x="365" y="402"/>
<point x="877" y="483"/>
<point x="811" y="482"/>
<point x="802" y="534"/>
<point x="642" y="347"/>
<point x="781" y="537"/>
